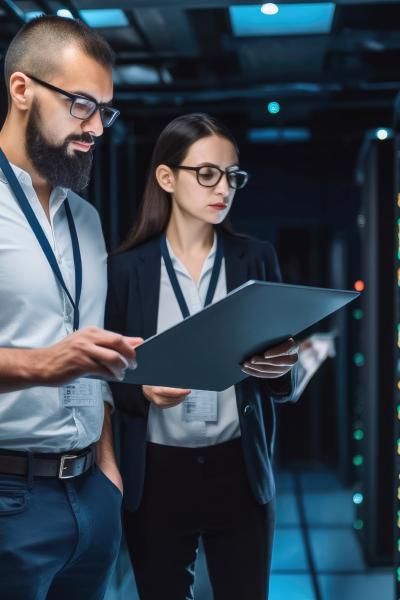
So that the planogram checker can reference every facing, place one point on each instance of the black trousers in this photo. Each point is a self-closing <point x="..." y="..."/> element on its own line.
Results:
<point x="193" y="492"/>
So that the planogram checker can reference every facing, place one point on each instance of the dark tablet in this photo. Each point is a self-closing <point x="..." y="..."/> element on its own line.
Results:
<point x="205" y="350"/>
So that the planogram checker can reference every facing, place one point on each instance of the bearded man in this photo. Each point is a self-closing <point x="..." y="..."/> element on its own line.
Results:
<point x="59" y="505"/>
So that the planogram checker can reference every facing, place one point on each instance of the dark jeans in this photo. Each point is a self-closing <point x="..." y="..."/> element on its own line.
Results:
<point x="58" y="539"/>
<point x="204" y="492"/>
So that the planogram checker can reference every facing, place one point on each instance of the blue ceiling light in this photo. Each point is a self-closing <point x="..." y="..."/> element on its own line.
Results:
<point x="269" y="9"/>
<point x="64" y="12"/>
<point x="274" y="135"/>
<point x="273" y="108"/>
<point x="291" y="19"/>
<point x="107" y="17"/>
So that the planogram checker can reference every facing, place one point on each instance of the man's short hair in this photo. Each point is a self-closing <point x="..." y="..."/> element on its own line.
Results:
<point x="36" y="47"/>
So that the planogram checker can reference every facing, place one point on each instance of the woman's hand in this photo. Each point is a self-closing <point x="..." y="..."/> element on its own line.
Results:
<point x="274" y="363"/>
<point x="164" y="397"/>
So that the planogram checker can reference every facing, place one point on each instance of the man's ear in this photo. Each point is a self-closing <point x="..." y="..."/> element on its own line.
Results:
<point x="165" y="178"/>
<point x="21" y="91"/>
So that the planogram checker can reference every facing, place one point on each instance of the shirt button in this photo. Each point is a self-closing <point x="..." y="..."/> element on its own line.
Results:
<point x="201" y="460"/>
<point x="247" y="410"/>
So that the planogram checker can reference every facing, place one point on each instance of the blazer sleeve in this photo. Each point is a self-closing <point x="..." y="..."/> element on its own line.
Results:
<point x="281" y="389"/>
<point x="127" y="397"/>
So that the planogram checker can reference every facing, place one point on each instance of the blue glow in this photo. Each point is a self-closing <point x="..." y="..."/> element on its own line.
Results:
<point x="100" y="18"/>
<point x="358" y="498"/>
<point x="292" y="19"/>
<point x="382" y="134"/>
<point x="32" y="14"/>
<point x="275" y="135"/>
<point x="107" y="17"/>
<point x="273" y="108"/>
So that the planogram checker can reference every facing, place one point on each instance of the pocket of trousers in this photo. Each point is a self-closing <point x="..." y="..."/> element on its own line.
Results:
<point x="110" y="483"/>
<point x="12" y="501"/>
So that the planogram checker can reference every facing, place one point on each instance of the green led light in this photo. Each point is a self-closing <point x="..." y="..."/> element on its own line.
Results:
<point x="398" y="254"/>
<point x="358" y="359"/>
<point x="358" y="434"/>
<point x="358" y="524"/>
<point x="398" y="545"/>
<point x="358" y="460"/>
<point x="358" y="498"/>
<point x="398" y="573"/>
<point x="358" y="313"/>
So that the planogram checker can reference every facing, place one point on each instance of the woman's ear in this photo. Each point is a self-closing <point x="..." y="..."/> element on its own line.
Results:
<point x="165" y="178"/>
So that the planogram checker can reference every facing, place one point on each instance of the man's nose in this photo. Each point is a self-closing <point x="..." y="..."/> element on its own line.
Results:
<point x="93" y="125"/>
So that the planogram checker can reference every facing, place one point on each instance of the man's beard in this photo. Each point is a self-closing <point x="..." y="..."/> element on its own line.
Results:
<point x="52" y="162"/>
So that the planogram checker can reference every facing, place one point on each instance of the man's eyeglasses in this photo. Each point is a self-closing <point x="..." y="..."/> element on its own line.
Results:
<point x="210" y="176"/>
<point x="83" y="107"/>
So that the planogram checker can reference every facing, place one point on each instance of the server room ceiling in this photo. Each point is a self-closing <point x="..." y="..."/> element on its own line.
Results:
<point x="181" y="56"/>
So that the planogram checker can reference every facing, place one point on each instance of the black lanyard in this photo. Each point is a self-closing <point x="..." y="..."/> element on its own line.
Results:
<point x="174" y="280"/>
<point x="42" y="239"/>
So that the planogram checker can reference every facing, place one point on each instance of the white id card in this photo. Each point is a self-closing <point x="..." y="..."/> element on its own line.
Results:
<point x="201" y="406"/>
<point x="81" y="392"/>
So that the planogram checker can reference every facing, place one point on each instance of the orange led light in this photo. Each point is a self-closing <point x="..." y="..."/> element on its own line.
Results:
<point x="359" y="285"/>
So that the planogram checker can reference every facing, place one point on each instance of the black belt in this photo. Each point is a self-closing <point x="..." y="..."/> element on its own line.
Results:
<point x="62" y="466"/>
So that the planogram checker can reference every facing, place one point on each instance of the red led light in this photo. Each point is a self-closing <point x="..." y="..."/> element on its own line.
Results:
<point x="359" y="285"/>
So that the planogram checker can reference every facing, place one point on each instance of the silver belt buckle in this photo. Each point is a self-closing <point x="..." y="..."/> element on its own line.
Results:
<point x="63" y="466"/>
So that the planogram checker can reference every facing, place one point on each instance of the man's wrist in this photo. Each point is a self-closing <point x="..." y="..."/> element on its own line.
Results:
<point x="32" y="366"/>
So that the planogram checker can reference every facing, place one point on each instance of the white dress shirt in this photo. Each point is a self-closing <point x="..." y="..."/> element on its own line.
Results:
<point x="166" y="426"/>
<point x="35" y="312"/>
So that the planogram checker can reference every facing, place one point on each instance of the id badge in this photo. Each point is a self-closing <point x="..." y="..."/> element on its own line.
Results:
<point x="81" y="392"/>
<point x="201" y="406"/>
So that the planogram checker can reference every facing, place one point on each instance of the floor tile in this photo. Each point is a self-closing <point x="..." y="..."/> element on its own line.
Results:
<point x="284" y="482"/>
<point x="286" y="510"/>
<point x="336" y="550"/>
<point x="357" y="587"/>
<point x="320" y="481"/>
<point x="291" y="587"/>
<point x="333" y="508"/>
<point x="288" y="551"/>
<point x="202" y="586"/>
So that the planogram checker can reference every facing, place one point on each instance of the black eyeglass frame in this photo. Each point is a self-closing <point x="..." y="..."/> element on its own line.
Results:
<point x="100" y="106"/>
<point x="222" y="172"/>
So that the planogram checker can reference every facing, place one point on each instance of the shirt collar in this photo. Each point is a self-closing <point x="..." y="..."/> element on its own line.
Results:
<point x="25" y="179"/>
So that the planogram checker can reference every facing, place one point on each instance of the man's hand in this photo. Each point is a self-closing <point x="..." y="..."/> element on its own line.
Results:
<point x="274" y="363"/>
<point x="87" y="352"/>
<point x="164" y="397"/>
<point x="112" y="473"/>
<point x="105" y="457"/>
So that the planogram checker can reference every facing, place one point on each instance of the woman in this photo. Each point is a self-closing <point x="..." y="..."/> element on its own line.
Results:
<point x="195" y="463"/>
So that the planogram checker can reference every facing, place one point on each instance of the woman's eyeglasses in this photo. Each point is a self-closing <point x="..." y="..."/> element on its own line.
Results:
<point x="210" y="176"/>
<point x="83" y="107"/>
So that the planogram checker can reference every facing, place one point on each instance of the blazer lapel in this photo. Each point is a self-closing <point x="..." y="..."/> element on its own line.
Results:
<point x="236" y="267"/>
<point x="149" y="272"/>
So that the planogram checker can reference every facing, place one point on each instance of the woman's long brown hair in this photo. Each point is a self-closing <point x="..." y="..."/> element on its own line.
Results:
<point x="171" y="149"/>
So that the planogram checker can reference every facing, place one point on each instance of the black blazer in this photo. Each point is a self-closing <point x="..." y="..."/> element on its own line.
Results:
<point x="132" y="309"/>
